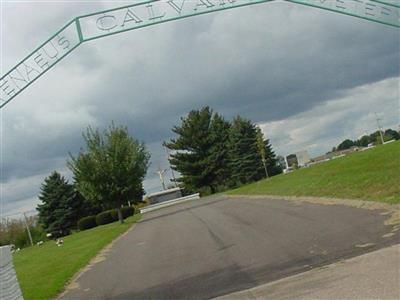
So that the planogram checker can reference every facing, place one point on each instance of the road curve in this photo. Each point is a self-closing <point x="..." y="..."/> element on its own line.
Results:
<point x="216" y="246"/>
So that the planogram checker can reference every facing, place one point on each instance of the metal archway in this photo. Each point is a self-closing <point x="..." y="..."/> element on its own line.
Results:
<point x="112" y="21"/>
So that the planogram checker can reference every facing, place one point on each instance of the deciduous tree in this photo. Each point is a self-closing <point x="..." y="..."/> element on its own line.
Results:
<point x="111" y="169"/>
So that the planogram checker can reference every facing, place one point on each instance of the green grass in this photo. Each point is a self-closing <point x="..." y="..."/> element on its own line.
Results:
<point x="373" y="174"/>
<point x="44" y="270"/>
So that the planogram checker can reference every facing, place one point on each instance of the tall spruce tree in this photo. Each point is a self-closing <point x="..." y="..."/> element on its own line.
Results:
<point x="212" y="153"/>
<point x="244" y="159"/>
<point x="271" y="160"/>
<point x="219" y="152"/>
<point x="261" y="147"/>
<point x="192" y="149"/>
<point x="61" y="206"/>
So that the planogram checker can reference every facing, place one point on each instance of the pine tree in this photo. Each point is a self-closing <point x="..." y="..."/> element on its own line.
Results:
<point x="61" y="206"/>
<point x="261" y="147"/>
<point x="244" y="159"/>
<point x="192" y="150"/>
<point x="219" y="152"/>
<point x="271" y="160"/>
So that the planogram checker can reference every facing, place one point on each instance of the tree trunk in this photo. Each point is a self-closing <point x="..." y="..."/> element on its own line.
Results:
<point x="121" y="220"/>
<point x="265" y="168"/>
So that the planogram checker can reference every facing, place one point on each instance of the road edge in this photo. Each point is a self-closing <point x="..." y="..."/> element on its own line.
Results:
<point x="99" y="257"/>
<point x="392" y="209"/>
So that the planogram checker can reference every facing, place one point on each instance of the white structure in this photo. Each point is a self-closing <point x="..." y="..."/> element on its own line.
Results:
<point x="302" y="158"/>
<point x="165" y="195"/>
<point x="9" y="287"/>
<point x="169" y="203"/>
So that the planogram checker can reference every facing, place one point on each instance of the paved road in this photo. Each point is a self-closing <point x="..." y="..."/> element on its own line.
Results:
<point x="375" y="275"/>
<point x="217" y="246"/>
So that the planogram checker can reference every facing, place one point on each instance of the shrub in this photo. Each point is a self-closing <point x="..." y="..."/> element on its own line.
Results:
<point x="87" y="223"/>
<point x="104" y="217"/>
<point x="14" y="232"/>
<point x="126" y="211"/>
<point x="137" y="206"/>
<point x="205" y="191"/>
<point x="114" y="214"/>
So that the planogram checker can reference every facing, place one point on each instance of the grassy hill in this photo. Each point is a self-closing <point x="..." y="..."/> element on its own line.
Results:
<point x="373" y="174"/>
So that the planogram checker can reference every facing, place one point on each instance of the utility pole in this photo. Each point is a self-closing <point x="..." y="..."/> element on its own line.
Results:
<point x="27" y="229"/>
<point x="379" y="127"/>
<point x="167" y="155"/>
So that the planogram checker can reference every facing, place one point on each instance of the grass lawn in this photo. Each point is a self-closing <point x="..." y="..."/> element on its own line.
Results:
<point x="373" y="174"/>
<point x="44" y="270"/>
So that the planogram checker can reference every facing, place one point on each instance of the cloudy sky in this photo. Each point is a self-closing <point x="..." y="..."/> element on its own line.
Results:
<point x="309" y="77"/>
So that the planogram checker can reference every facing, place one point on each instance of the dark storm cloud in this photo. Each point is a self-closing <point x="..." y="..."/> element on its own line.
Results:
<point x="240" y="67"/>
<point x="267" y="62"/>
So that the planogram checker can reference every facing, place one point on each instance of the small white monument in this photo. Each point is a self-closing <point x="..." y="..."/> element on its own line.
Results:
<point x="9" y="286"/>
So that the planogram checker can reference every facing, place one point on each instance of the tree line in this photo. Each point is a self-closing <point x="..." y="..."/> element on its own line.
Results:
<point x="213" y="154"/>
<point x="365" y="140"/>
<point x="210" y="153"/>
<point x="107" y="175"/>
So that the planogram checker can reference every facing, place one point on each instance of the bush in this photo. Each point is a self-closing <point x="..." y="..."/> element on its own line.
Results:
<point x="14" y="232"/>
<point x="105" y="217"/>
<point x="114" y="214"/>
<point x="126" y="211"/>
<point x="87" y="223"/>
<point x="205" y="191"/>
<point x="137" y="206"/>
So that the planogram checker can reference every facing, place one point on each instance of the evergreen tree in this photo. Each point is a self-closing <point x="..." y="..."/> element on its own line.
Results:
<point x="192" y="150"/>
<point x="273" y="166"/>
<point x="219" y="152"/>
<point x="61" y="205"/>
<point x="212" y="153"/>
<point x="261" y="147"/>
<point x="244" y="159"/>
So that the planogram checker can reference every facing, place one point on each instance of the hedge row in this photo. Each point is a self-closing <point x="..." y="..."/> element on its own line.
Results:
<point x="87" y="223"/>
<point x="104" y="217"/>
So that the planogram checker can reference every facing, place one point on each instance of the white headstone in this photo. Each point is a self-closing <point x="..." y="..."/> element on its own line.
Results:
<point x="9" y="287"/>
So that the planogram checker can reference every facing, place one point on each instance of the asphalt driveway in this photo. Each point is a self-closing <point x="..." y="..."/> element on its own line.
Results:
<point x="217" y="246"/>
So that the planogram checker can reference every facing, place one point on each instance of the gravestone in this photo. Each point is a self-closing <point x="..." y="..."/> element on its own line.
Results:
<point x="9" y="286"/>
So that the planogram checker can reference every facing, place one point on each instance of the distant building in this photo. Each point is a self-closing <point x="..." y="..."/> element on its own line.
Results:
<point x="302" y="158"/>
<point x="291" y="161"/>
<point x="335" y="154"/>
<point x="347" y="151"/>
<point x="165" y="195"/>
<point x="281" y="161"/>
<point x="322" y="158"/>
